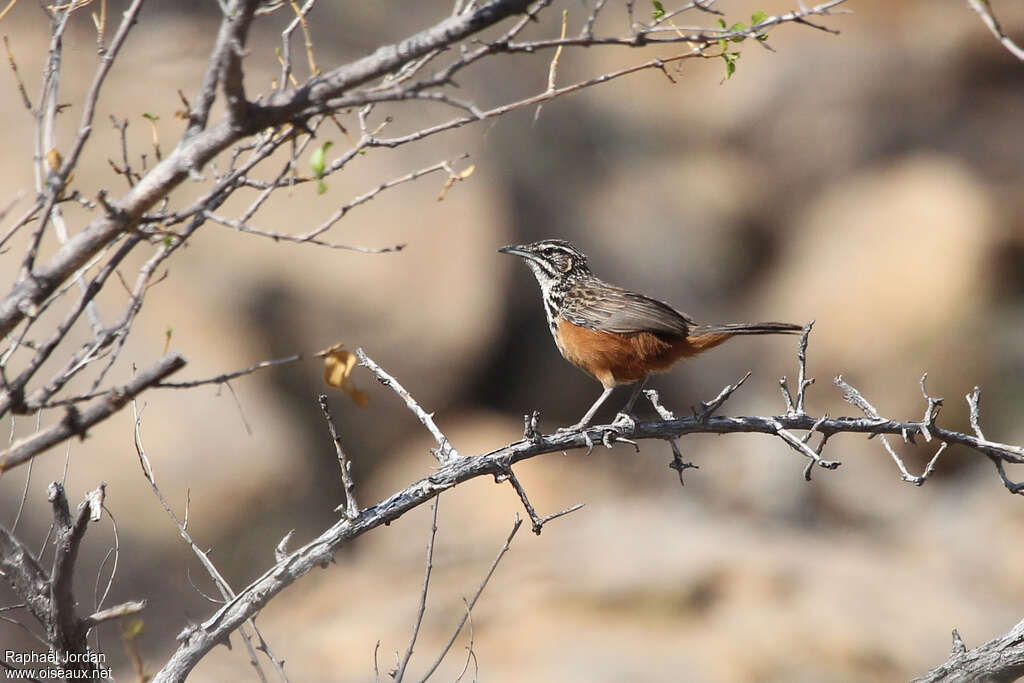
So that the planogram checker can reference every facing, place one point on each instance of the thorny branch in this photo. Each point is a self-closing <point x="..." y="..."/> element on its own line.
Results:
<point x="453" y="470"/>
<point x="445" y="452"/>
<point x="350" y="506"/>
<point x="537" y="520"/>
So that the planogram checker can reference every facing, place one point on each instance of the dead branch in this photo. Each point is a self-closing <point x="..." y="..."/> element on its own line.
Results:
<point x="453" y="470"/>
<point x="48" y="595"/>
<point x="1000" y="660"/>
<point x="77" y="423"/>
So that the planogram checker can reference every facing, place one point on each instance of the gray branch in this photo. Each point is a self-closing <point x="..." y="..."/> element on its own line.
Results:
<point x="336" y="89"/>
<point x="76" y="423"/>
<point x="197" y="640"/>
<point x="1000" y="660"/>
<point x="48" y="595"/>
<point x="195" y="151"/>
<point x="984" y="10"/>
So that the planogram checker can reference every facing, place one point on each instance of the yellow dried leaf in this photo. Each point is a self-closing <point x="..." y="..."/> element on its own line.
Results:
<point x="338" y="365"/>
<point x="454" y="178"/>
<point x="54" y="160"/>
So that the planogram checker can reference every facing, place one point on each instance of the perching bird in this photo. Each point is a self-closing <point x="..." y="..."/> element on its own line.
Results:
<point x="614" y="335"/>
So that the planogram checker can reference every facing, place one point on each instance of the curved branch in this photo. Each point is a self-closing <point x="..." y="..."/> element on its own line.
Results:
<point x="984" y="11"/>
<point x="196" y="641"/>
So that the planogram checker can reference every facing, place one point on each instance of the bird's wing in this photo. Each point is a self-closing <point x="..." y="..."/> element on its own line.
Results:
<point x="613" y="309"/>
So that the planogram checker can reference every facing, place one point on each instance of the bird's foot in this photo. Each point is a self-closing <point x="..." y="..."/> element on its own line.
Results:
<point x="579" y="426"/>
<point x="624" y="422"/>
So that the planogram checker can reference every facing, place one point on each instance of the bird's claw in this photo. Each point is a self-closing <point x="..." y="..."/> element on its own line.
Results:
<point x="590" y="443"/>
<point x="579" y="426"/>
<point x="624" y="422"/>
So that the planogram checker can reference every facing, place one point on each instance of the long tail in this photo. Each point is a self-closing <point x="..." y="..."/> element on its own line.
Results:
<point x="705" y="337"/>
<point x="748" y="328"/>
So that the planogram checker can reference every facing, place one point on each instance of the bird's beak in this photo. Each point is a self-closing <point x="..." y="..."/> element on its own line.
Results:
<point x="516" y="250"/>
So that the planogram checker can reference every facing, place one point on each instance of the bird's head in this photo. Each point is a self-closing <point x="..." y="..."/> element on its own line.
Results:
<point x="551" y="260"/>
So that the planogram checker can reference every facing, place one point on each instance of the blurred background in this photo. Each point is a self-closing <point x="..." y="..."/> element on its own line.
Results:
<point x="871" y="181"/>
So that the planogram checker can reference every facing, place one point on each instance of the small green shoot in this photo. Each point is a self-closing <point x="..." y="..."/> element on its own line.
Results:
<point x="318" y="164"/>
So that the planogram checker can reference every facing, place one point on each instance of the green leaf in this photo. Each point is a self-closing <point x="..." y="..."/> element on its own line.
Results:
<point x="167" y="241"/>
<point x="758" y="16"/>
<point x="730" y="63"/>
<point x="318" y="159"/>
<point x="321" y="187"/>
<point x="659" y="10"/>
<point x="737" y="27"/>
<point x="721" y="22"/>
<point x="151" y="117"/>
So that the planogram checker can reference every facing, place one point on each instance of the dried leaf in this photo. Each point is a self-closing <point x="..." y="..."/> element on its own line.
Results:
<point x="338" y="365"/>
<point x="454" y="178"/>
<point x="54" y="160"/>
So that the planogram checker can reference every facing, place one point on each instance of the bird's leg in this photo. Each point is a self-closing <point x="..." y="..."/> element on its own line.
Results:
<point x="625" y="417"/>
<point x="590" y="413"/>
<point x="637" y="388"/>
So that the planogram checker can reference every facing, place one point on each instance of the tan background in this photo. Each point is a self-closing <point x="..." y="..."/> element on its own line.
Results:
<point x="870" y="180"/>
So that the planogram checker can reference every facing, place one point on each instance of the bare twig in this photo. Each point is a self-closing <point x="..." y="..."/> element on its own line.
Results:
<point x="553" y="68"/>
<point x="998" y="451"/>
<point x="925" y="428"/>
<point x="708" y="409"/>
<point x="204" y="558"/>
<point x="348" y="486"/>
<point x="445" y="452"/>
<point x="678" y="464"/>
<point x="76" y="423"/>
<point x="221" y="379"/>
<point x="341" y="212"/>
<point x="472" y="602"/>
<point x="537" y="520"/>
<point x="663" y="412"/>
<point x="984" y="10"/>
<point x="421" y="610"/>
<point x="125" y="609"/>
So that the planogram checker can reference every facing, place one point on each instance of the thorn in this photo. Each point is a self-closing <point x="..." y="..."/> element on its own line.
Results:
<point x="958" y="644"/>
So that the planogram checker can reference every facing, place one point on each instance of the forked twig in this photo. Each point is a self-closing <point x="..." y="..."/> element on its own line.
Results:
<point x="472" y="602"/>
<point x="537" y="520"/>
